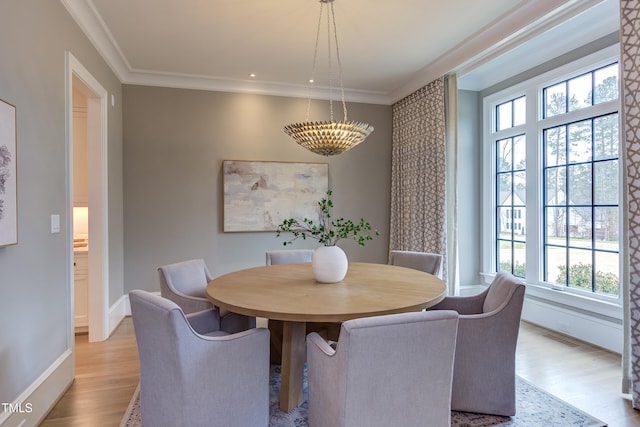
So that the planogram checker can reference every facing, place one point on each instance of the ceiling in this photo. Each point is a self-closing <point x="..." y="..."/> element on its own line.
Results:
<point x="388" y="50"/>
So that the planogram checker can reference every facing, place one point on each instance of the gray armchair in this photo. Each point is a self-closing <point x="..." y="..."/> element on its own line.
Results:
<point x="185" y="283"/>
<point x="393" y="370"/>
<point x="288" y="256"/>
<point x="424" y="261"/>
<point x="193" y="374"/>
<point x="484" y="373"/>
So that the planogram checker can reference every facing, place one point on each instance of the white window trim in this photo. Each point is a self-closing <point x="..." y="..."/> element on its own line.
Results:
<point x="532" y="89"/>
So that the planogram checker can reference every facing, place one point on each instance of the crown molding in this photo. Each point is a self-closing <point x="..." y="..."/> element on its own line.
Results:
<point x="218" y="84"/>
<point x="88" y="19"/>
<point x="543" y="24"/>
<point x="523" y="22"/>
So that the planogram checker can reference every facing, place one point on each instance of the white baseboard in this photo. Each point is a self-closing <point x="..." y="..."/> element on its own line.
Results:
<point x="30" y="408"/>
<point x="118" y="311"/>
<point x="127" y="304"/>
<point x="589" y="328"/>
<point x="601" y="329"/>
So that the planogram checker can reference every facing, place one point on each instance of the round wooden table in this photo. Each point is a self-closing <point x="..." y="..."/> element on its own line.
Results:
<point x="289" y="293"/>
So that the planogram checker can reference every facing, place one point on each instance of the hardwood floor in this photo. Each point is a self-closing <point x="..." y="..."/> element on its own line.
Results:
<point x="107" y="374"/>
<point x="585" y="376"/>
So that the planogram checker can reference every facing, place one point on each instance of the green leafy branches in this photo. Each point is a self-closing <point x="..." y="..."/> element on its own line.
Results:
<point x="328" y="231"/>
<point x="581" y="276"/>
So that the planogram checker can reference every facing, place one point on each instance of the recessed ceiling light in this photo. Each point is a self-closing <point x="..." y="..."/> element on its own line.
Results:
<point x="252" y="75"/>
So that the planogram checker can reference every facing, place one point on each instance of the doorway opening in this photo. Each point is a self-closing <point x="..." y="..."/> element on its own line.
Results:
<point x="80" y="174"/>
<point x="91" y="188"/>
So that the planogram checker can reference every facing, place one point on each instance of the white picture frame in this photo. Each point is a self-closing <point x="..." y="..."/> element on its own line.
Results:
<point x="8" y="176"/>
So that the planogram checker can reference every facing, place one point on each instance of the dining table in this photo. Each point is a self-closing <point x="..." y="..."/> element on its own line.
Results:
<point x="288" y="293"/>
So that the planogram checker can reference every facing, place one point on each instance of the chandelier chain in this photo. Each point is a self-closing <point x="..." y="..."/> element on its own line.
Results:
<point x="331" y="20"/>
<point x="329" y="62"/>
<point x="315" y="59"/>
<point x="335" y="33"/>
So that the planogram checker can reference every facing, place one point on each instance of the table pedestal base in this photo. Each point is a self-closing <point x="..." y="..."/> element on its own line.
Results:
<point x="275" y="331"/>
<point x="294" y="354"/>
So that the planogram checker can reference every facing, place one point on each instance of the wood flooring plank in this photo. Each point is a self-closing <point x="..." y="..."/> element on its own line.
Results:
<point x="585" y="376"/>
<point x="106" y="375"/>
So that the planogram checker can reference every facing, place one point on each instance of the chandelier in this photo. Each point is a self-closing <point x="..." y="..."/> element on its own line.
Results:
<point x="332" y="137"/>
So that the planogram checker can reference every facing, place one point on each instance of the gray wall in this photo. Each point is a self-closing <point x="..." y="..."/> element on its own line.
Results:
<point x="34" y="285"/>
<point x="469" y="186"/>
<point x="174" y="143"/>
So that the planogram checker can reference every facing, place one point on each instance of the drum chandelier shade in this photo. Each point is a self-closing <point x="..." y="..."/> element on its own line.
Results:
<point x="332" y="137"/>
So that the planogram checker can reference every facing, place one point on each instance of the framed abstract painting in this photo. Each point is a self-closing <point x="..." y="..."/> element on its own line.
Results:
<point x="8" y="176"/>
<point x="258" y="196"/>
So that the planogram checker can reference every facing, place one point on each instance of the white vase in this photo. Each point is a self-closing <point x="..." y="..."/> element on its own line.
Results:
<point x="329" y="264"/>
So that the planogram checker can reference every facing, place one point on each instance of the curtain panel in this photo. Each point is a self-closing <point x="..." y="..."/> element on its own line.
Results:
<point x="451" y="135"/>
<point x="630" y="78"/>
<point x="418" y="177"/>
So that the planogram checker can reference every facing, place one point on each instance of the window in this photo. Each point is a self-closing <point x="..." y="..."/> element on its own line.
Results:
<point x="511" y="197"/>
<point x="554" y="184"/>
<point x="581" y="204"/>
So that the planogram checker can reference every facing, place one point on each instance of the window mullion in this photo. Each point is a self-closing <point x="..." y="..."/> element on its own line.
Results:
<point x="581" y="114"/>
<point x="593" y="199"/>
<point x="533" y="216"/>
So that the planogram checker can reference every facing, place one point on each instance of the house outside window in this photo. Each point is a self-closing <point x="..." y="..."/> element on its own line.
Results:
<point x="552" y="199"/>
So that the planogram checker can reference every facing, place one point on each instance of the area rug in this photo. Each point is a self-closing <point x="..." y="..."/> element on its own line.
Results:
<point x="534" y="408"/>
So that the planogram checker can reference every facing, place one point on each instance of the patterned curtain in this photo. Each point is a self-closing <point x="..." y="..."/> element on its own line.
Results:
<point x="418" y="177"/>
<point x="630" y="76"/>
<point x="451" y="133"/>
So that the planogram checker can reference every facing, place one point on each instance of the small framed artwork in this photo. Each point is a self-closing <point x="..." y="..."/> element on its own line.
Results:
<point x="8" y="176"/>
<point x="258" y="196"/>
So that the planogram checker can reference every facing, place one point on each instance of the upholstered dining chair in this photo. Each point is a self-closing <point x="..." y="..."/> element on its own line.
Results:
<point x="393" y="370"/>
<point x="288" y="256"/>
<point x="185" y="283"/>
<point x="194" y="374"/>
<point x="425" y="261"/>
<point x="484" y="373"/>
